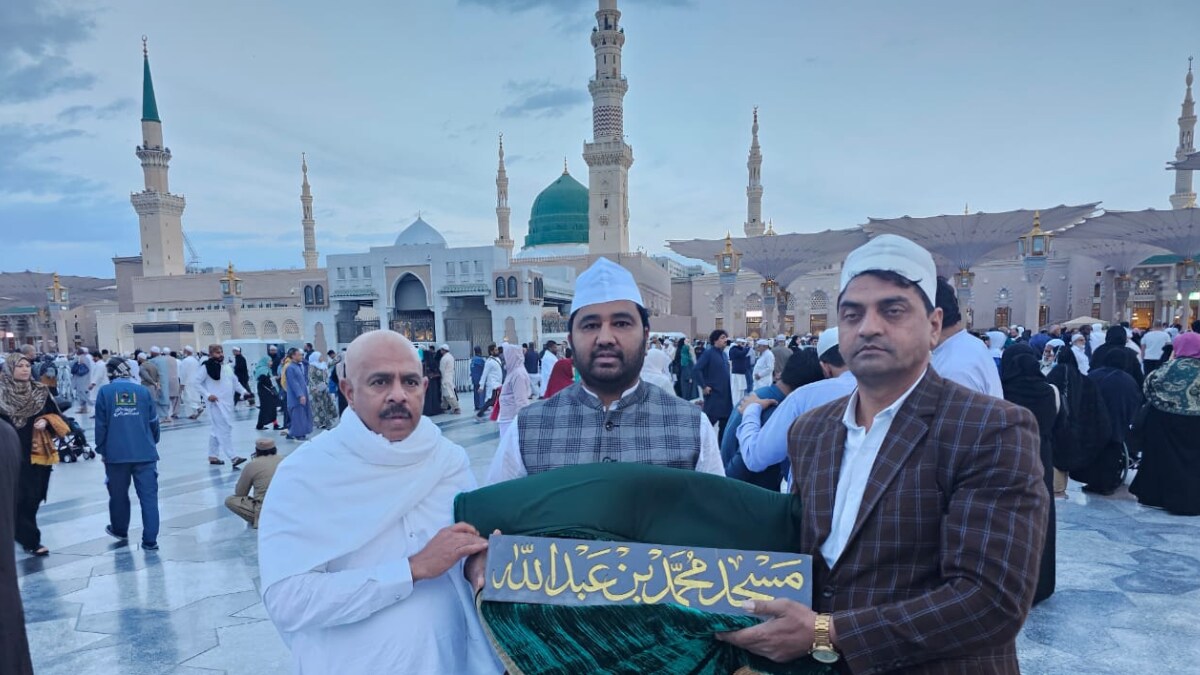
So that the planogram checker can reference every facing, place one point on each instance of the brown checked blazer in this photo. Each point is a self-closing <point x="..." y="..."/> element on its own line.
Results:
<point x="939" y="572"/>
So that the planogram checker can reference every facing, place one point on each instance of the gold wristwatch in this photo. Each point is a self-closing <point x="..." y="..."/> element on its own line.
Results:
<point x="822" y="649"/>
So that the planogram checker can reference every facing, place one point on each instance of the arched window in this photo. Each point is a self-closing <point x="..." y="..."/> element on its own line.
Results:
<point x="291" y="328"/>
<point x="249" y="330"/>
<point x="500" y="288"/>
<point x="512" y="287"/>
<point x="320" y="294"/>
<point x="308" y="295"/>
<point x="269" y="329"/>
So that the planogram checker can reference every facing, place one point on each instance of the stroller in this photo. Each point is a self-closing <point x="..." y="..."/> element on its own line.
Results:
<point x="74" y="445"/>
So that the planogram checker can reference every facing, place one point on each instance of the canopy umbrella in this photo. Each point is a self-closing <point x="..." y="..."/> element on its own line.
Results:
<point x="967" y="239"/>
<point x="782" y="257"/>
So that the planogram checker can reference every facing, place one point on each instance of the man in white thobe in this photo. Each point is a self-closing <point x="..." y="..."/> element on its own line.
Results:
<point x="168" y="375"/>
<point x="216" y="382"/>
<point x="191" y="403"/>
<point x="446" y="369"/>
<point x="764" y="365"/>
<point x="960" y="356"/>
<point x="549" y="358"/>
<point x="97" y="379"/>
<point x="360" y="561"/>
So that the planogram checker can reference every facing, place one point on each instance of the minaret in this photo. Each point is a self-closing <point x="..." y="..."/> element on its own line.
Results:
<point x="754" y="189"/>
<point x="310" y="225"/>
<point x="608" y="156"/>
<point x="159" y="212"/>
<point x="504" y="241"/>
<point x="1184" y="197"/>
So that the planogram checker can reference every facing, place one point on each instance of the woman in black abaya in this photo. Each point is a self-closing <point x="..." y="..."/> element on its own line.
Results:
<point x="1024" y="385"/>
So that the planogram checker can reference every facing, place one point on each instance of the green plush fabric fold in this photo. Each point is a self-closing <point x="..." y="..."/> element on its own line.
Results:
<point x="630" y="502"/>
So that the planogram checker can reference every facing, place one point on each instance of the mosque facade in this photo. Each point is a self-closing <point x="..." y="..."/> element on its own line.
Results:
<point x="162" y="300"/>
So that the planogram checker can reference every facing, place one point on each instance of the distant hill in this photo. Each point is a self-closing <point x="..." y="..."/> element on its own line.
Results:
<point x="21" y="289"/>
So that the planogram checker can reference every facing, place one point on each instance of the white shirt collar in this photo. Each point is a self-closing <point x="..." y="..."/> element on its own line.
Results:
<point x="850" y="416"/>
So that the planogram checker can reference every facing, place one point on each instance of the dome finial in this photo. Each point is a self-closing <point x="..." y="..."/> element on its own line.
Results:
<point x="565" y="172"/>
<point x="304" y="163"/>
<point x="1188" y="79"/>
<point x="146" y="52"/>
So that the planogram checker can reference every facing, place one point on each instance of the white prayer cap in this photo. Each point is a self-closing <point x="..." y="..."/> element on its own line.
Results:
<point x="155" y="350"/>
<point x="827" y="341"/>
<point x="444" y="347"/>
<point x="893" y="253"/>
<point x="741" y="340"/>
<point x="1078" y="337"/>
<point x="781" y="338"/>
<point x="1056" y="343"/>
<point x="762" y="342"/>
<point x="188" y="349"/>
<point x="605" y="281"/>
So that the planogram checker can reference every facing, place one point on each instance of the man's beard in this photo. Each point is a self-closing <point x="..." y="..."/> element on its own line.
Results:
<point x="612" y="381"/>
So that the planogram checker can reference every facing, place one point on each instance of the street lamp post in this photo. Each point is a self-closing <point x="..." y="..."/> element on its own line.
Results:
<point x="57" y="302"/>
<point x="769" y="288"/>
<point x="1122" y="287"/>
<point x="1186" y="281"/>
<point x="231" y="297"/>
<point x="1034" y="249"/>
<point x="729" y="263"/>
<point x="964" y="281"/>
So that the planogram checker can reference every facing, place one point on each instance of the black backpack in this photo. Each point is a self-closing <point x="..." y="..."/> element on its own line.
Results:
<point x="79" y="369"/>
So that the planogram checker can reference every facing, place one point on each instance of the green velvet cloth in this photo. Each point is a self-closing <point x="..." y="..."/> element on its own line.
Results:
<point x="630" y="502"/>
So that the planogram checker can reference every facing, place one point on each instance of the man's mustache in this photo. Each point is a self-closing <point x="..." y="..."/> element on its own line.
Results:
<point x="396" y="411"/>
<point x="607" y="353"/>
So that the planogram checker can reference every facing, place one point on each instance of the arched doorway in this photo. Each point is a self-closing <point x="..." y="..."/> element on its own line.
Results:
<point x="411" y="316"/>
<point x="468" y="320"/>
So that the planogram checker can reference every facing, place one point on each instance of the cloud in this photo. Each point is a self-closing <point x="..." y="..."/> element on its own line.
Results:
<point x="541" y="98"/>
<point x="33" y="38"/>
<point x="77" y="113"/>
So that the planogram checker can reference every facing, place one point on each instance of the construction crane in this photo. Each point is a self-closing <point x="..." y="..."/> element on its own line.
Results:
<point x="193" y="259"/>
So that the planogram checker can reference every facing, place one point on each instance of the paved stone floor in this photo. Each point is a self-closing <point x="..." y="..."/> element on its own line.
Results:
<point x="1127" y="599"/>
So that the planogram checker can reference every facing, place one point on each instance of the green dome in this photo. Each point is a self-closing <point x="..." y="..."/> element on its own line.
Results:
<point x="559" y="214"/>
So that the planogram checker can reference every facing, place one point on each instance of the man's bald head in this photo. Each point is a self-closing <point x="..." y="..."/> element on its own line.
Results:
<point x="384" y="383"/>
<point x="360" y="350"/>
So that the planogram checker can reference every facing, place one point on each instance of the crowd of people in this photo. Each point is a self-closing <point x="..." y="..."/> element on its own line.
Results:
<point x="926" y="457"/>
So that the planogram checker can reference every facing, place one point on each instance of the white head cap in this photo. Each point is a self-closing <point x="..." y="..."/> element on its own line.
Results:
<point x="893" y="253"/>
<point x="188" y="349"/>
<point x="740" y="340"/>
<point x="156" y="350"/>
<point x="827" y="340"/>
<point x="1078" y="337"/>
<point x="762" y="342"/>
<point x="781" y="338"/>
<point x="444" y="347"/>
<point x="605" y="281"/>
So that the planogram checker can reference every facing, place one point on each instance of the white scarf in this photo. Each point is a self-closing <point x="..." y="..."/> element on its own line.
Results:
<point x="338" y="492"/>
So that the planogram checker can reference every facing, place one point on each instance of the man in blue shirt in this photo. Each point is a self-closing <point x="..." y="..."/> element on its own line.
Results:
<point x="764" y="445"/>
<point x="477" y="363"/>
<point x="127" y="439"/>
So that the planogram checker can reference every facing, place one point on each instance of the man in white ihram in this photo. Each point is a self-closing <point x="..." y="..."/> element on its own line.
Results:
<point x="360" y="563"/>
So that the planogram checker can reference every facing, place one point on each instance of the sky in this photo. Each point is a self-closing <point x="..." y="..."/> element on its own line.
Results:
<point x="867" y="109"/>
